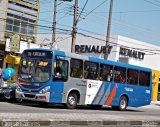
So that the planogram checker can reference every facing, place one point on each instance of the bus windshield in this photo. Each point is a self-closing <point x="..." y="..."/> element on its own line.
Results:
<point x="35" y="70"/>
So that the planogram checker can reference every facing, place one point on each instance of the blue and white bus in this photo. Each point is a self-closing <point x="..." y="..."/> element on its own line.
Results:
<point x="52" y="76"/>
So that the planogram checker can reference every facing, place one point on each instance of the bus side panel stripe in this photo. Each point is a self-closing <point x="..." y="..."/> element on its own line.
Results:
<point x="111" y="96"/>
<point x="97" y="97"/>
<point x="105" y="95"/>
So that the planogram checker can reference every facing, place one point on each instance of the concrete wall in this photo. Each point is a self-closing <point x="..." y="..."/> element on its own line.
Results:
<point x="3" y="7"/>
<point x="150" y="60"/>
<point x="23" y="45"/>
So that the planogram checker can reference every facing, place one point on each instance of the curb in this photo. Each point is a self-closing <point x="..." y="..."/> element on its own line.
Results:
<point x="24" y="123"/>
<point x="155" y="102"/>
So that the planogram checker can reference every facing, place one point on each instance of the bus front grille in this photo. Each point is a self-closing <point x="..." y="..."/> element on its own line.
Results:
<point x="29" y="95"/>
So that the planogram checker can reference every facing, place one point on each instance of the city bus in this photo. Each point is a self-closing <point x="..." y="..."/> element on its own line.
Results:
<point x="53" y="76"/>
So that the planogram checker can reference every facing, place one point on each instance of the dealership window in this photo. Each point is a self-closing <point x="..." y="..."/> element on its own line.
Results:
<point x="16" y="26"/>
<point x="30" y="29"/>
<point x="120" y="75"/>
<point x="132" y="76"/>
<point x="19" y="24"/>
<point x="90" y="70"/>
<point x="23" y="28"/>
<point x="144" y="78"/>
<point x="76" y="67"/>
<point x="106" y="72"/>
<point x="9" y="24"/>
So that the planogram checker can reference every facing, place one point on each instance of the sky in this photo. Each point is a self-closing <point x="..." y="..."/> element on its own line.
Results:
<point x="137" y="19"/>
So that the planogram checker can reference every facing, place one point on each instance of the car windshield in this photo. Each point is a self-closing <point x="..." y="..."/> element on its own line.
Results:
<point x="34" y="70"/>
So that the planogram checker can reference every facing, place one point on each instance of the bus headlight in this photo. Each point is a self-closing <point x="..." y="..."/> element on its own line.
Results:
<point x="19" y="89"/>
<point x="44" y="90"/>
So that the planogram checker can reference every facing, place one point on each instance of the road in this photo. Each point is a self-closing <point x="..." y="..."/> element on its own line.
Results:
<point x="84" y="115"/>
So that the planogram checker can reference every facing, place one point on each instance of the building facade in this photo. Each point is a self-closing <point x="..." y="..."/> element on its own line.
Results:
<point x="122" y="49"/>
<point x="18" y="24"/>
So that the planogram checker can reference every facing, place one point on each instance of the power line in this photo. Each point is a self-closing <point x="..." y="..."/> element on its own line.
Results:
<point x="131" y="11"/>
<point x="157" y="1"/>
<point x="95" y="8"/>
<point x="118" y="45"/>
<point x="62" y="30"/>
<point x="149" y="51"/>
<point x="99" y="33"/>
<point x="82" y="11"/>
<point x="137" y="30"/>
<point x="28" y="23"/>
<point x="152" y="3"/>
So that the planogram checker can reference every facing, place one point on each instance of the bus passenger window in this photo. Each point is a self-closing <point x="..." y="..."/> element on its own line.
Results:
<point x="132" y="77"/>
<point x="76" y="67"/>
<point x="120" y="75"/>
<point x="106" y="72"/>
<point x="144" y="78"/>
<point x="90" y="70"/>
<point x="61" y="70"/>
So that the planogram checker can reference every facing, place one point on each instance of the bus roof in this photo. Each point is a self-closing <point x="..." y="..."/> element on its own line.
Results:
<point x="93" y="59"/>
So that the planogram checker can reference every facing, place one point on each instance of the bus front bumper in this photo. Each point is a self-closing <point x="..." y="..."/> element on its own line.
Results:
<point x="33" y="97"/>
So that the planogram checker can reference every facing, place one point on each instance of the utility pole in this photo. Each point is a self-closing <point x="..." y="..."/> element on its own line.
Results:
<point x="54" y="24"/>
<point x="74" y="31"/>
<point x="108" y="30"/>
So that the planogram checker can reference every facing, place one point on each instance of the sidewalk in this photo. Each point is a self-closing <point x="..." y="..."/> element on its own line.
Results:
<point x="43" y="119"/>
<point x="155" y="102"/>
<point x="82" y="119"/>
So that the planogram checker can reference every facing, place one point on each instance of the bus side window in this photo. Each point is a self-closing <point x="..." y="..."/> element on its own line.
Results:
<point x="144" y="78"/>
<point x="90" y="70"/>
<point x="120" y="75"/>
<point x="132" y="77"/>
<point x="106" y="72"/>
<point x="76" y="67"/>
<point x="61" y="70"/>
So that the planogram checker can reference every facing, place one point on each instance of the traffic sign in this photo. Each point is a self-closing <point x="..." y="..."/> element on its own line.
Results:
<point x="15" y="45"/>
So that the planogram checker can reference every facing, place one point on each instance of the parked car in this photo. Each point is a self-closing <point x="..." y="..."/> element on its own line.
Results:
<point x="8" y="93"/>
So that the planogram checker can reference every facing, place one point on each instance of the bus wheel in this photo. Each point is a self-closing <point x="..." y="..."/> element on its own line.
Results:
<point x="18" y="100"/>
<point x="71" y="101"/>
<point x="123" y="103"/>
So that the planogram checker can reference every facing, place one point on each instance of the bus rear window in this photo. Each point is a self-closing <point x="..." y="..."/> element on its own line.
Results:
<point x="132" y="77"/>
<point x="120" y="75"/>
<point x="144" y="78"/>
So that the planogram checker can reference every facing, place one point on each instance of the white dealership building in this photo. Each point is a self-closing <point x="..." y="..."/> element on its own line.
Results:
<point x="122" y="49"/>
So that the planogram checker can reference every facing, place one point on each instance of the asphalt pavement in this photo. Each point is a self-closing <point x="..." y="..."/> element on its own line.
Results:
<point x="30" y="114"/>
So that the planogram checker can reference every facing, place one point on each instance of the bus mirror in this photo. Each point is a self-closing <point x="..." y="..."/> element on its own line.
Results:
<point x="25" y="63"/>
<point x="57" y="75"/>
